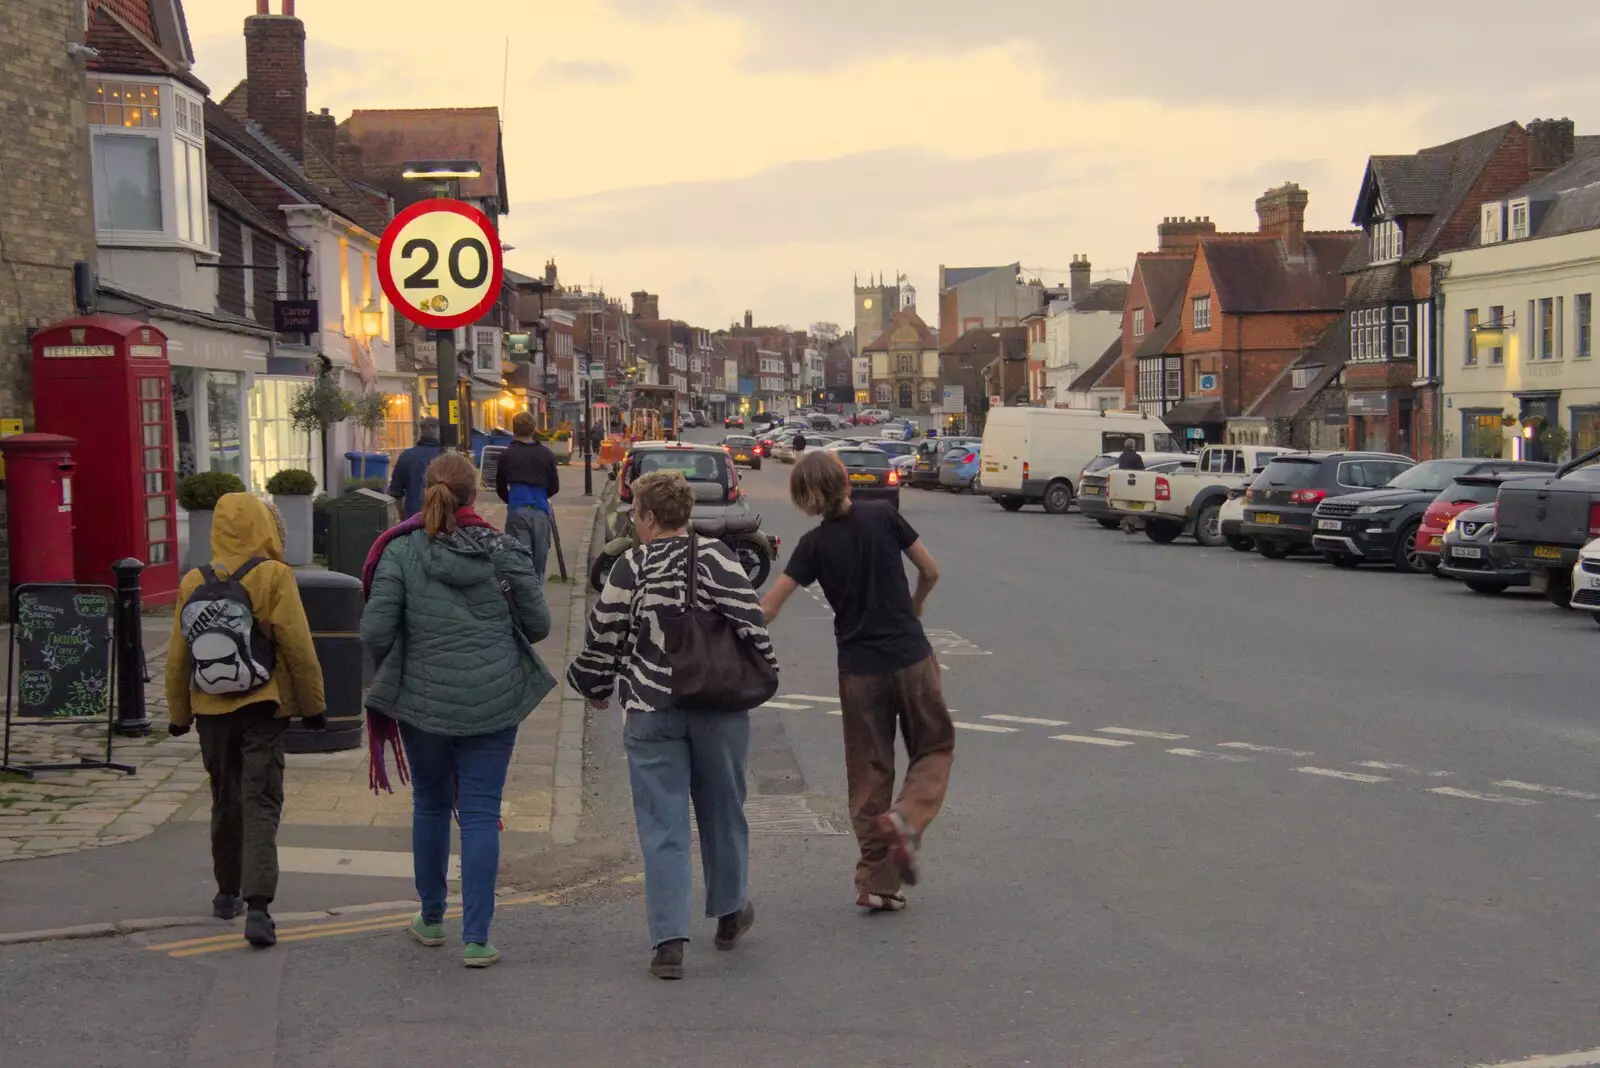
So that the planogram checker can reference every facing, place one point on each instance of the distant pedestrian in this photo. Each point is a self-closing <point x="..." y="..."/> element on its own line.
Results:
<point x="405" y="484"/>
<point x="888" y="677"/>
<point x="676" y="758"/>
<point x="1129" y="459"/>
<point x="799" y="442"/>
<point x="596" y="436"/>
<point x="525" y="479"/>
<point x="453" y="610"/>
<point x="239" y="665"/>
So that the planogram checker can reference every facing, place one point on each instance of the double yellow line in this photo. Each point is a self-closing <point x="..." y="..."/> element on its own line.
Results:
<point x="234" y="940"/>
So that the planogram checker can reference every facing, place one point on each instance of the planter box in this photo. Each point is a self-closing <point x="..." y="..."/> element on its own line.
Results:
<point x="199" y="552"/>
<point x="297" y="528"/>
<point x="562" y="449"/>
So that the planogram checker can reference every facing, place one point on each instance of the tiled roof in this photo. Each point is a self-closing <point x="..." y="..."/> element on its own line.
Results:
<point x="1164" y="279"/>
<point x="1586" y="146"/>
<point x="1109" y="295"/>
<point x="980" y="341"/>
<point x="1256" y="274"/>
<point x="225" y="194"/>
<point x="1411" y="185"/>
<point x="388" y="137"/>
<point x="1156" y="341"/>
<point x="955" y="276"/>
<point x="1573" y="196"/>
<point x="124" y="50"/>
<point x="1098" y="370"/>
<point x="358" y="202"/>
<point x="1377" y="285"/>
<point x="925" y="337"/>
<point x="1329" y="355"/>
<point x="1196" y="410"/>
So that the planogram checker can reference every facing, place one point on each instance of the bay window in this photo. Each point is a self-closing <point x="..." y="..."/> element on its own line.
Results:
<point x="149" y="163"/>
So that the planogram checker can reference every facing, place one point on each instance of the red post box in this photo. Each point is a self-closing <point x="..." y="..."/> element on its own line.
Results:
<point x="39" y="506"/>
<point x="104" y="380"/>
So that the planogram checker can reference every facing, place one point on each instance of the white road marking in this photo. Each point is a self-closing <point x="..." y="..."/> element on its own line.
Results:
<point x="1383" y="766"/>
<point x="1030" y="721"/>
<point x="358" y="862"/>
<point x="786" y="706"/>
<point x="1274" y="749"/>
<point x="1161" y="736"/>
<point x="1558" y="791"/>
<point x="1085" y="739"/>
<point x="1211" y="756"/>
<point x="1450" y="791"/>
<point x="811" y="697"/>
<point x="990" y="727"/>
<point x="835" y="711"/>
<point x="1580" y="1059"/>
<point x="1350" y="775"/>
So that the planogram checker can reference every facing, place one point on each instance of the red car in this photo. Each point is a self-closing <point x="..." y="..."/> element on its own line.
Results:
<point x="1462" y="493"/>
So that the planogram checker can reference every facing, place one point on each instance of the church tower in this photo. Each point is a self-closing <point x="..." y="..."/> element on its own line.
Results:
<point x="875" y="304"/>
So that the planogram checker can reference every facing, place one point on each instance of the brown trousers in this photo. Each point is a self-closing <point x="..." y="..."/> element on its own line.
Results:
<point x="911" y="700"/>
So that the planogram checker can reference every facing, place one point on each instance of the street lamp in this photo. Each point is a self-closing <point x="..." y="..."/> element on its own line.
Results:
<point x="372" y="318"/>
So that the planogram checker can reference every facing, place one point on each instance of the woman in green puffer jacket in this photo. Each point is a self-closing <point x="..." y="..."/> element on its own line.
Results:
<point x="453" y="607"/>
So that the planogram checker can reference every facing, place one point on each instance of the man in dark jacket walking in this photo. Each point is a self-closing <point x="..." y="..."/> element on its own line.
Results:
<point x="405" y="485"/>
<point x="526" y="479"/>
<point x="1130" y="460"/>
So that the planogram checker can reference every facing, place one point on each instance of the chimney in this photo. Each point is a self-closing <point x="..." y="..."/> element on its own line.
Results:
<point x="1080" y="279"/>
<point x="749" y="320"/>
<point x="322" y="132"/>
<point x="275" y="76"/>
<point x="646" y="306"/>
<point x="1180" y="232"/>
<point x="1550" y="145"/>
<point x="348" y="157"/>
<point x="550" y="275"/>
<point x="1282" y="212"/>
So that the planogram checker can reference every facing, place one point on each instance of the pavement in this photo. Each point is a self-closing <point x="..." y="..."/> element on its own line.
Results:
<point x="1208" y="811"/>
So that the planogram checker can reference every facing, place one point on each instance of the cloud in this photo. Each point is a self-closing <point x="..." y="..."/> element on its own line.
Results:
<point x="585" y="72"/>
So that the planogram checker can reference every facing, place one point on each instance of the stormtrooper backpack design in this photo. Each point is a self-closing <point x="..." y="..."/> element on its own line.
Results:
<point x="229" y="652"/>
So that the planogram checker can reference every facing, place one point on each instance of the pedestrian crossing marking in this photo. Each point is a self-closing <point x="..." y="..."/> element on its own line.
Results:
<point x="1533" y="787"/>
<point x="1161" y="736"/>
<point x="1228" y="757"/>
<point x="786" y="706"/>
<point x="1030" y="721"/>
<point x="1499" y="799"/>
<point x="989" y="727"/>
<point x="1330" y="773"/>
<point x="810" y="697"/>
<point x="1251" y="747"/>
<point x="1088" y="740"/>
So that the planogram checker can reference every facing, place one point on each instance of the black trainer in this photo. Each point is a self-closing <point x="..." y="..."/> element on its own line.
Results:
<point x="227" y="906"/>
<point x="731" y="928"/>
<point x="259" y="930"/>
<point x="667" y="963"/>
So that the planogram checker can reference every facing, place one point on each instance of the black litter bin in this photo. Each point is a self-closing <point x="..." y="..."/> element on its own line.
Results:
<point x="333" y="608"/>
<point x="355" y="520"/>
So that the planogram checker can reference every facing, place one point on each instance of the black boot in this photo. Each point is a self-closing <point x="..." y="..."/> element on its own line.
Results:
<point x="226" y="906"/>
<point x="259" y="930"/>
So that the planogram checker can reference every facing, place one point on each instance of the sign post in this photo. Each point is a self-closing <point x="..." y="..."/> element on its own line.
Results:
<point x="440" y="265"/>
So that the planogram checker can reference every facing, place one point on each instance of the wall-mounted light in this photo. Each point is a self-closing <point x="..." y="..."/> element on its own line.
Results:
<point x="372" y="318"/>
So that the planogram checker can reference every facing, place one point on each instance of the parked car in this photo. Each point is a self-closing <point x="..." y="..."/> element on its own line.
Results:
<point x="929" y="453"/>
<point x="902" y="454"/>
<point x="731" y="421"/>
<point x="1586" y="580"/>
<point x="1281" y="502"/>
<point x="768" y="440"/>
<point x="1189" y="502"/>
<point x="1545" y="523"/>
<point x="1469" y="553"/>
<point x="872" y="476"/>
<point x="898" y="429"/>
<point x="1034" y="455"/>
<point x="1381" y="525"/>
<point x="824" y="421"/>
<point x="873" y="416"/>
<point x="783" y="448"/>
<point x="1230" y="518"/>
<point x="763" y="420"/>
<point x="958" y="468"/>
<point x="1092" y="502"/>
<point x="1461" y="494"/>
<point x="741" y="448"/>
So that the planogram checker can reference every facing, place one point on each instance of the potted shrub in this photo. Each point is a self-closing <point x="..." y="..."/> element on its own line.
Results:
<point x="198" y="495"/>
<point x="292" y="490"/>
<point x="317" y="406"/>
<point x="561" y="445"/>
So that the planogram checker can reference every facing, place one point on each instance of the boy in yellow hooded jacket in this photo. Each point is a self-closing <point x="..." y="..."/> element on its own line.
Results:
<point x="241" y="735"/>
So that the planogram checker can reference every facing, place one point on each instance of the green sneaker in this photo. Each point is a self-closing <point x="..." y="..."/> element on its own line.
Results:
<point x="429" y="934"/>
<point x="480" y="955"/>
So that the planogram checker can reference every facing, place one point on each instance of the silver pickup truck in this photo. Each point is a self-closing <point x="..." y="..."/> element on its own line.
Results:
<point x="1543" y="523"/>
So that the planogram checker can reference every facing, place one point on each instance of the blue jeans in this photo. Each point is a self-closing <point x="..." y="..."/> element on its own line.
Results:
<point x="531" y="527"/>
<point x="675" y="758"/>
<point x="468" y="775"/>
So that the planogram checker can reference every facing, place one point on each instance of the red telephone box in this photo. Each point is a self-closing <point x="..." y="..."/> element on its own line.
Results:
<point x="104" y="380"/>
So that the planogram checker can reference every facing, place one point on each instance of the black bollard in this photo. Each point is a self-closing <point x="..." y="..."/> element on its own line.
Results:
<point x="132" y="721"/>
<point x="333" y="608"/>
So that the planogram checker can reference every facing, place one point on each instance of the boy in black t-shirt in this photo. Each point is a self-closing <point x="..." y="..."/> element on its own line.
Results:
<point x="887" y="674"/>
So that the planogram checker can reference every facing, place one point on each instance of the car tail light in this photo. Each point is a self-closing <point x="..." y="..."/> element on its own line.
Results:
<point x="1163" y="489"/>
<point x="969" y="458"/>
<point x="733" y="492"/>
<point x="894" y="477"/>
<point x="727" y="448"/>
<point x="626" y="493"/>
<point x="1594" y="520"/>
<point x="1307" y="496"/>
<point x="1249" y="494"/>
<point x="1024" y="470"/>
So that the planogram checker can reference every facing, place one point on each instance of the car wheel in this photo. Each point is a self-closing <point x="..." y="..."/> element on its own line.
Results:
<point x="756" y="563"/>
<point x="1162" y="532"/>
<point x="1559" y="589"/>
<point x="1596" y="616"/>
<point x="1208" y="526"/>
<point x="1012" y="504"/>
<point x="1343" y="560"/>
<point x="1108" y="522"/>
<point x="1486" y="587"/>
<point x="952" y="488"/>
<point x="1407" y="560"/>
<point x="1241" y="544"/>
<point x="1057" y="498"/>
<point x="599" y="570"/>
<point x="1272" y="550"/>
<point x="1432" y="566"/>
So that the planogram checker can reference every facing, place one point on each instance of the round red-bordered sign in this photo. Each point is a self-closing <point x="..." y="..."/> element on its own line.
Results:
<point x="440" y="263"/>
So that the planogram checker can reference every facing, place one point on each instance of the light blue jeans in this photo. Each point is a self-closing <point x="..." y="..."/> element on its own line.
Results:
<point x="531" y="527"/>
<point x="467" y="775"/>
<point x="675" y="759"/>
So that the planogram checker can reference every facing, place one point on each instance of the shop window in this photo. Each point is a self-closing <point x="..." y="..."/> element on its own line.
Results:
<point x="274" y="443"/>
<point x="224" y="437"/>
<point x="1481" y="433"/>
<point x="399" y="428"/>
<point x="1585" y="430"/>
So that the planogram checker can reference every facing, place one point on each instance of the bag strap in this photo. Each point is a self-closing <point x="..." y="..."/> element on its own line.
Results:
<point x="245" y="568"/>
<point x="690" y="589"/>
<point x="208" y="573"/>
<point x="511" y="600"/>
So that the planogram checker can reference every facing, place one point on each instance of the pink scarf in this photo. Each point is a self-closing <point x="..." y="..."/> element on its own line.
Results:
<point x="382" y="731"/>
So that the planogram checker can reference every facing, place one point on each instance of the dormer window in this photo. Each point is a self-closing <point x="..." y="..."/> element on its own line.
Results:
<point x="1388" y="241"/>
<point x="1492" y="228"/>
<point x="1301" y="377"/>
<point x="1519" y="220"/>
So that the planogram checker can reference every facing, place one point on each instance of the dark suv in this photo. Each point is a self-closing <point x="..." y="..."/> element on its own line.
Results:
<point x="1280" y="503"/>
<point x="1543" y="523"/>
<point x="1381" y="525"/>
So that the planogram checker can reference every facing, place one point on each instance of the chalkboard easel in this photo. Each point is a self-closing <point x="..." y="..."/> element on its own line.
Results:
<point x="61" y="661"/>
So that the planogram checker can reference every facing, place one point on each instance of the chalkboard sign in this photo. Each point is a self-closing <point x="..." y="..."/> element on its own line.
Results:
<point x="63" y="644"/>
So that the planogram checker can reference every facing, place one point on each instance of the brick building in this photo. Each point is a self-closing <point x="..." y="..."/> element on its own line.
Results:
<point x="905" y="366"/>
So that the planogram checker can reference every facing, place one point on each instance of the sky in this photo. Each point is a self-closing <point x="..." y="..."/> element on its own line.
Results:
<point x="757" y="154"/>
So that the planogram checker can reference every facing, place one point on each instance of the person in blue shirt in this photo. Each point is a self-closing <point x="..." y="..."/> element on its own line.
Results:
<point x="526" y="479"/>
<point x="405" y="485"/>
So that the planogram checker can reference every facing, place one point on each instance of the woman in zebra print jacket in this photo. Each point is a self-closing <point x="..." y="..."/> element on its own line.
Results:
<point x="675" y="758"/>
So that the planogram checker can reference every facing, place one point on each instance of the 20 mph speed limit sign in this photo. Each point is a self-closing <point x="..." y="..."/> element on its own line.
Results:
<point x="440" y="265"/>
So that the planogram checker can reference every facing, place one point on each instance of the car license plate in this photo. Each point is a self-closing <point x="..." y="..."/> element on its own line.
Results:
<point x="863" y="478"/>
<point x="1547" y="552"/>
<point x="1467" y="553"/>
<point x="1269" y="518"/>
<point x="1135" y="506"/>
<point x="1325" y="524"/>
<point x="1091" y="491"/>
<point x="740" y="458"/>
<point x="991" y="468"/>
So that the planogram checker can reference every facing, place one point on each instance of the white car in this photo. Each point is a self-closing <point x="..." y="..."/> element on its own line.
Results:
<point x="783" y="449"/>
<point x="1586" y="580"/>
<point x="1231" y="518"/>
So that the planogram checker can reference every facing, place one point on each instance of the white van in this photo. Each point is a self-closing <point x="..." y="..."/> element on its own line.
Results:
<point x="1034" y="455"/>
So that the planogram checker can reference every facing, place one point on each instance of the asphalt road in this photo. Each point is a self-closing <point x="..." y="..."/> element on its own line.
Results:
<point x="1209" y="810"/>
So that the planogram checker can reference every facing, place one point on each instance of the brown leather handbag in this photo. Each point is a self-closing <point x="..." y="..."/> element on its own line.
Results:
<point x="713" y="669"/>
